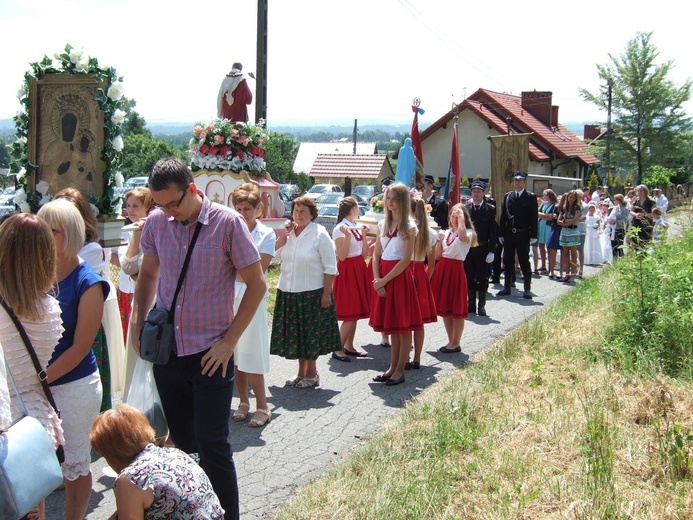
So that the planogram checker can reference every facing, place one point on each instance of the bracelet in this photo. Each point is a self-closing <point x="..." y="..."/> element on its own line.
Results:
<point x="42" y="375"/>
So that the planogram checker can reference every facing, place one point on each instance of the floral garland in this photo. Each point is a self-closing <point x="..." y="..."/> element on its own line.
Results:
<point x="110" y="100"/>
<point x="224" y="145"/>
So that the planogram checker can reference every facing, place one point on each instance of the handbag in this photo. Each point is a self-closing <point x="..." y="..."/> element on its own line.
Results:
<point x="29" y="468"/>
<point x="157" y="338"/>
<point x="144" y="396"/>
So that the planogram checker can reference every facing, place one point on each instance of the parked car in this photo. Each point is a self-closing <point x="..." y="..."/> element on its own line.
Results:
<point x="329" y="199"/>
<point x="365" y="191"/>
<point x="327" y="216"/>
<point x="289" y="191"/>
<point x="136" y="182"/>
<point x="319" y="189"/>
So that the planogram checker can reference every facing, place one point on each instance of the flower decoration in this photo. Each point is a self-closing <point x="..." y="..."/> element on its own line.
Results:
<point x="224" y="145"/>
<point x="377" y="205"/>
<point x="110" y="100"/>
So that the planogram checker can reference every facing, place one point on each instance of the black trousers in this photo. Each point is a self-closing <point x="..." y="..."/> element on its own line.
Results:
<point x="476" y="268"/>
<point x="517" y="243"/>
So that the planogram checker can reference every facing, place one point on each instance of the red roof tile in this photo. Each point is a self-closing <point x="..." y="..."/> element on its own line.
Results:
<point x="356" y="166"/>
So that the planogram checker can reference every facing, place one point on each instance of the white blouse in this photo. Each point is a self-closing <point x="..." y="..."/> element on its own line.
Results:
<point x="306" y="259"/>
<point x="393" y="247"/>
<point x="44" y="336"/>
<point x="264" y="239"/>
<point x="455" y="248"/>
<point x="355" y="245"/>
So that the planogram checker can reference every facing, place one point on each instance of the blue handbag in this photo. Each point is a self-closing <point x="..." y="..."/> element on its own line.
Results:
<point x="29" y="467"/>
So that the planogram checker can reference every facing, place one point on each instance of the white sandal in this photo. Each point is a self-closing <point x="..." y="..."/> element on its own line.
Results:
<point x="257" y="423"/>
<point x="309" y="382"/>
<point x="239" y="416"/>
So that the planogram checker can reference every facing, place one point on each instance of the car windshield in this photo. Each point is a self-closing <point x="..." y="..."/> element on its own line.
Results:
<point x="318" y="188"/>
<point x="330" y="211"/>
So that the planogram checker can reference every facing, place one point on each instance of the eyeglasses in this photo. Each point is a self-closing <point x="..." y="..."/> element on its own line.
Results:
<point x="171" y="205"/>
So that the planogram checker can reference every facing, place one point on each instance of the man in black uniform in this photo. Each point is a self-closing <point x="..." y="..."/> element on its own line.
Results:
<point x="483" y="217"/>
<point x="439" y="206"/>
<point x="517" y="231"/>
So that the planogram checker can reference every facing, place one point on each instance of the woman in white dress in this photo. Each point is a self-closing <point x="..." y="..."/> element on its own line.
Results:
<point x="252" y="354"/>
<point x="593" y="236"/>
<point x="24" y="286"/>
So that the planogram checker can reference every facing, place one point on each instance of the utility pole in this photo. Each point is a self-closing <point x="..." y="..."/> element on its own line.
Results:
<point x="261" y="63"/>
<point x="355" y="134"/>
<point x="610" y="84"/>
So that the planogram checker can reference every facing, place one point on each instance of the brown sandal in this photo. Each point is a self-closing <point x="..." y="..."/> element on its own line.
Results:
<point x="257" y="423"/>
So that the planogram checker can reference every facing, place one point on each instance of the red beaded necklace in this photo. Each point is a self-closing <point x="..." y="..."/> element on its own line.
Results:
<point x="450" y="238"/>
<point x="357" y="234"/>
<point x="391" y="234"/>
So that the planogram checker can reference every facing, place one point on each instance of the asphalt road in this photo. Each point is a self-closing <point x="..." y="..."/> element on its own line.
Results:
<point x="312" y="428"/>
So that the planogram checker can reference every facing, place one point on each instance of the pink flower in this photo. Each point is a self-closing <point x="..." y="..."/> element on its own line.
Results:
<point x="209" y="127"/>
<point x="203" y="136"/>
<point x="204" y="149"/>
<point x="240" y="154"/>
<point x="243" y="140"/>
<point x="197" y="130"/>
<point x="218" y="139"/>
<point x="213" y="150"/>
<point x="225" y="151"/>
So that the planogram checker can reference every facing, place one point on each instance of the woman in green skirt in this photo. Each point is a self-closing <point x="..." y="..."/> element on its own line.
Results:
<point x="305" y="320"/>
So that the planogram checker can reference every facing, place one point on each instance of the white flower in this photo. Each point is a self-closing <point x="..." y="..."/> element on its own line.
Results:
<point x="24" y="207"/>
<point x="21" y="174"/>
<point x="42" y="187"/>
<point x="94" y="210"/>
<point x="118" y="117"/>
<point x="116" y="90"/>
<point x="119" y="180"/>
<point x="20" y="196"/>
<point x="118" y="143"/>
<point x="21" y="93"/>
<point x="46" y="198"/>
<point x="83" y="64"/>
<point x="118" y="208"/>
<point x="75" y="55"/>
<point x="21" y="140"/>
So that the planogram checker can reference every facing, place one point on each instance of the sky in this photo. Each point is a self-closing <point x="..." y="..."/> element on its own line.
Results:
<point x="333" y="62"/>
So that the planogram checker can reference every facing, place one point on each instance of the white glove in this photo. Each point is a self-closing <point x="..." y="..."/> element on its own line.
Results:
<point x="501" y="240"/>
<point x="490" y="257"/>
<point x="533" y="242"/>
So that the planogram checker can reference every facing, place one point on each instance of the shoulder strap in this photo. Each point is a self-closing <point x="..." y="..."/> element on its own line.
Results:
<point x="36" y="363"/>
<point x="172" y="310"/>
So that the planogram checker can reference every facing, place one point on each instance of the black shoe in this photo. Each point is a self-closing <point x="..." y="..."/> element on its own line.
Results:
<point x="504" y="292"/>
<point x="446" y="350"/>
<point x="354" y="353"/>
<point x="527" y="294"/>
<point x="381" y="378"/>
<point x="412" y="365"/>
<point x="481" y="311"/>
<point x="393" y="382"/>
<point x="346" y="359"/>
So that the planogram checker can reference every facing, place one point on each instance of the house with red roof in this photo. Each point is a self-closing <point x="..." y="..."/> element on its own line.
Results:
<point x="553" y="149"/>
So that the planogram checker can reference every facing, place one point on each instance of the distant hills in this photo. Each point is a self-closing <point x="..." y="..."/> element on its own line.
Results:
<point x="296" y="129"/>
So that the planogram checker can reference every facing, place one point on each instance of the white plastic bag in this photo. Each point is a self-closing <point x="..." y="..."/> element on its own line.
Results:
<point x="144" y="396"/>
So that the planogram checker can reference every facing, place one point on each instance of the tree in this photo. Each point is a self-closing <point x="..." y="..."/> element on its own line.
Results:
<point x="658" y="176"/>
<point x="648" y="118"/>
<point x="280" y="153"/>
<point x="134" y="123"/>
<point x="141" y="151"/>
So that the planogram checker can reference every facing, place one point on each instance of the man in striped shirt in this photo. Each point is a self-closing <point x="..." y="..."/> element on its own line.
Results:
<point x="196" y="385"/>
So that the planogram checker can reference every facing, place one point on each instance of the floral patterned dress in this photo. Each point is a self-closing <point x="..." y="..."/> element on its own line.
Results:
<point x="181" y="488"/>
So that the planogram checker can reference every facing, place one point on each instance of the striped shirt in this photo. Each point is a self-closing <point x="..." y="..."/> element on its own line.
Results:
<point x="204" y="308"/>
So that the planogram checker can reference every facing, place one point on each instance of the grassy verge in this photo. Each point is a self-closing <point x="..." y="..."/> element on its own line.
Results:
<point x="560" y="419"/>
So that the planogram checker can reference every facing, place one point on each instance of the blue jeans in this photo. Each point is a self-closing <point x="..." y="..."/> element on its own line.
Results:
<point x="198" y="410"/>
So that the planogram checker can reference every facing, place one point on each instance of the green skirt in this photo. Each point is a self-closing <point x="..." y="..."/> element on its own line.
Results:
<point x="302" y="328"/>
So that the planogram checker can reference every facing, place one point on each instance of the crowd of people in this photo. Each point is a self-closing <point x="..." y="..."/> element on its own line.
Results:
<point x="404" y="277"/>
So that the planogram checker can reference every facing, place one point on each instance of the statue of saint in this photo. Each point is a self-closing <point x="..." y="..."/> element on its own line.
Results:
<point x="234" y="96"/>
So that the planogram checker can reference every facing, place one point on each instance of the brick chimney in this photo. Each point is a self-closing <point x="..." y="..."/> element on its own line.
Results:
<point x="591" y="132"/>
<point x="539" y="105"/>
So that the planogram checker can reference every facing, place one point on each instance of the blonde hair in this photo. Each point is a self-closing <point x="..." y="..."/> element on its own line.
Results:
<point x="467" y="221"/>
<point x="27" y="264"/>
<point x="143" y="195"/>
<point x="422" y="241"/>
<point x="91" y="227"/>
<point x="120" y="434"/>
<point x="62" y="215"/>
<point x="402" y="200"/>
<point x="246" y="192"/>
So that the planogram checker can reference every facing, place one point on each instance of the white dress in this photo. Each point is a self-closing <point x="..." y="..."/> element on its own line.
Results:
<point x="593" y="240"/>
<point x="252" y="354"/>
<point x="93" y="254"/>
<point x="44" y="336"/>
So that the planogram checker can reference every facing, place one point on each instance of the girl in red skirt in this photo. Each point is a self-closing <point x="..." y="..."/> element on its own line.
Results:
<point x="449" y="282"/>
<point x="351" y="287"/>
<point x="395" y="307"/>
<point x="424" y="249"/>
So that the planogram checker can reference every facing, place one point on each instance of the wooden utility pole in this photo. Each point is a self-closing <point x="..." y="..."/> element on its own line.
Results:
<point x="261" y="64"/>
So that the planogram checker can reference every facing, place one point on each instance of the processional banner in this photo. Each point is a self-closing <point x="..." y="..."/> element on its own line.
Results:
<point x="509" y="153"/>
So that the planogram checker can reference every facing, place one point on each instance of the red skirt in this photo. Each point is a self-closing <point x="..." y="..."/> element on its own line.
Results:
<point x="352" y="289"/>
<point x="398" y="311"/>
<point x="427" y="304"/>
<point x="449" y="287"/>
